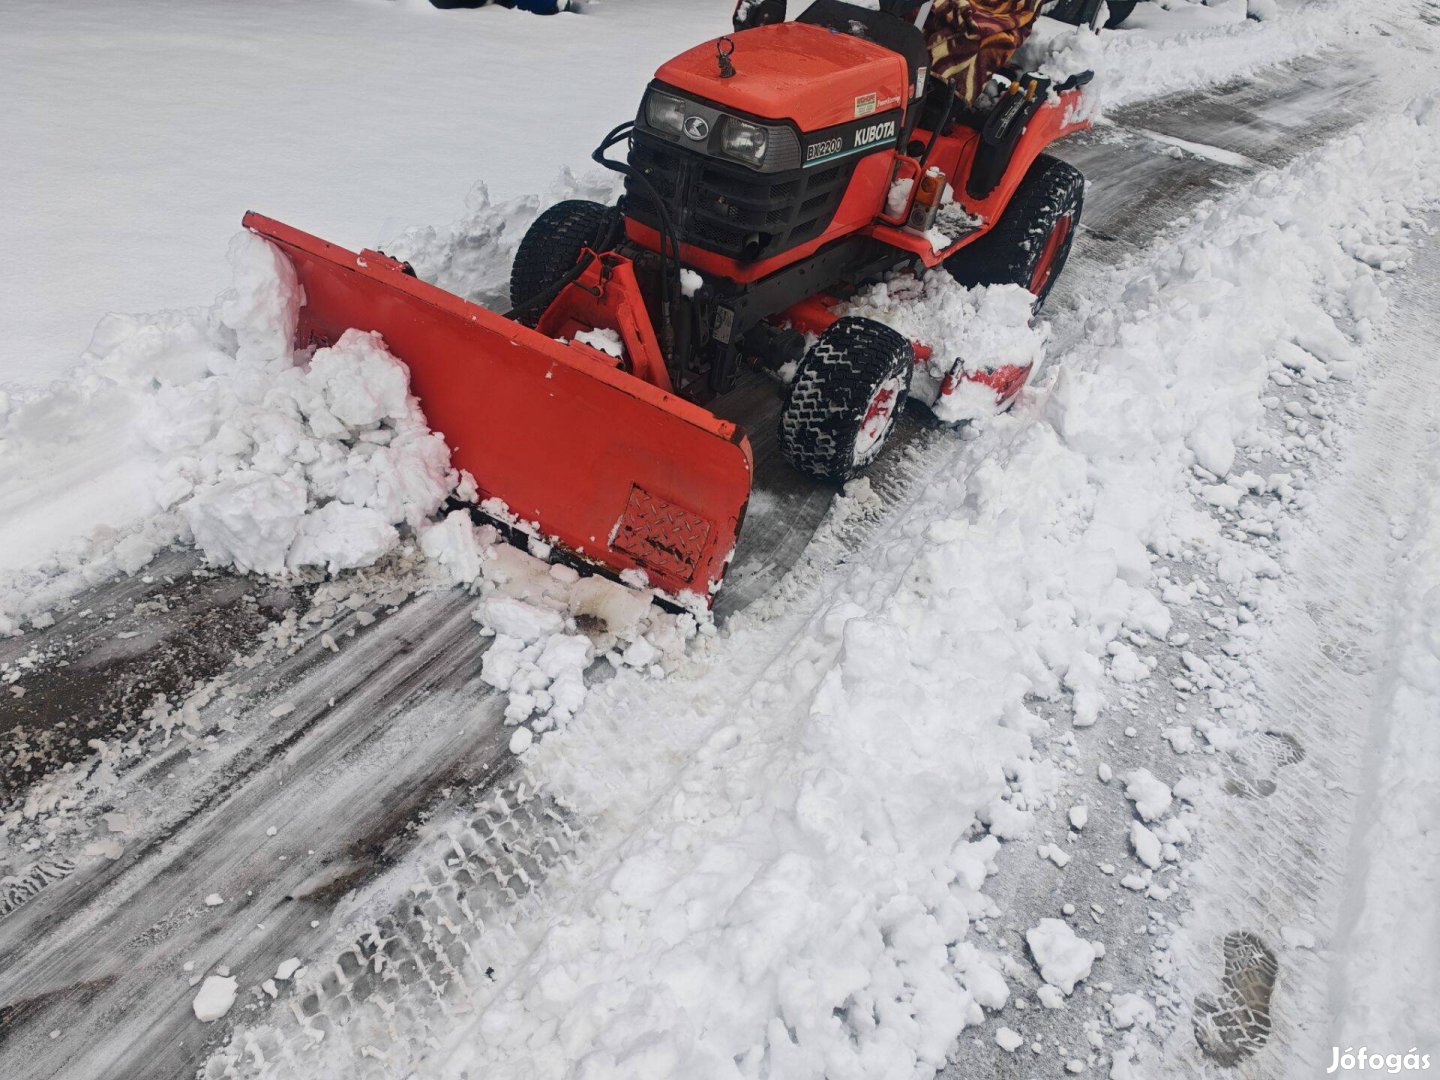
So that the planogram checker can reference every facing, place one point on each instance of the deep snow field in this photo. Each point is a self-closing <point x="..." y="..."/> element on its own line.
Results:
<point x="1098" y="738"/>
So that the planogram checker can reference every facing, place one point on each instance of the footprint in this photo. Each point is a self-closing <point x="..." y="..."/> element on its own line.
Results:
<point x="1234" y="1027"/>
<point x="1253" y="767"/>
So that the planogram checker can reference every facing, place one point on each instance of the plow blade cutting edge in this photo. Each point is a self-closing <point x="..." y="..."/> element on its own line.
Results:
<point x="615" y="471"/>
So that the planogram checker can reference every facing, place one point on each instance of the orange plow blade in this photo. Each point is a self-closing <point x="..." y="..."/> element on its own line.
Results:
<point x="615" y="471"/>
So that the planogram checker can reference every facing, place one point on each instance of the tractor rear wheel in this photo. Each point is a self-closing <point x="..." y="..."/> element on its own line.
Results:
<point x="552" y="246"/>
<point x="845" y="399"/>
<point x="1029" y="244"/>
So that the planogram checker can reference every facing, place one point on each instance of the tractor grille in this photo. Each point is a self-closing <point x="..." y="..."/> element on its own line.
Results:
<point x="728" y="209"/>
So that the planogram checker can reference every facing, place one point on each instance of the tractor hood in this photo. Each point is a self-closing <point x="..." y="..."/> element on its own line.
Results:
<point x="816" y="77"/>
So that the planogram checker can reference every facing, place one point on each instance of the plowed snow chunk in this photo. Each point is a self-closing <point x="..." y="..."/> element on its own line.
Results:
<point x="342" y="537"/>
<point x="318" y="470"/>
<point x="248" y="520"/>
<point x="360" y="384"/>
<point x="456" y="544"/>
<point x="1006" y="821"/>
<point x="1130" y="1010"/>
<point x="1151" y="797"/>
<point x="1063" y="957"/>
<point x="516" y="619"/>
<point x="1008" y="1040"/>
<point x="217" y="994"/>
<point x="287" y="968"/>
<point x="1146" y="845"/>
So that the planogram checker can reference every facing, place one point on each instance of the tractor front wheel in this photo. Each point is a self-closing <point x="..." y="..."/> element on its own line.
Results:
<point x="552" y="247"/>
<point x="1029" y="244"/>
<point x="845" y="399"/>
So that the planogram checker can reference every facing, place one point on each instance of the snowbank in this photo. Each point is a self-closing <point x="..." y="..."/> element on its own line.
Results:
<point x="1164" y="48"/>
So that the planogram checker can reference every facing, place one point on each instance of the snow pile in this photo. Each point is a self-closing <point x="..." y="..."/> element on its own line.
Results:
<point x="216" y="431"/>
<point x="1165" y="48"/>
<point x="969" y="331"/>
<point x="1063" y="956"/>
<point x="318" y="471"/>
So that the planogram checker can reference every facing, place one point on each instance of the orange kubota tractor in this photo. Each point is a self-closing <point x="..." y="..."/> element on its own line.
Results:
<point x="769" y="174"/>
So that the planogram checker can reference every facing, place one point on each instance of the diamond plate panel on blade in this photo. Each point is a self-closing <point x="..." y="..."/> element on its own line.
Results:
<point x="660" y="535"/>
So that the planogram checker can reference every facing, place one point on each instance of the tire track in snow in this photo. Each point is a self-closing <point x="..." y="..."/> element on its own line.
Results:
<point x="343" y="781"/>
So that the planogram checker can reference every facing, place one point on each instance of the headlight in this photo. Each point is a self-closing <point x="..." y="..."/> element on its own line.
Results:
<point x="744" y="142"/>
<point x="665" y="113"/>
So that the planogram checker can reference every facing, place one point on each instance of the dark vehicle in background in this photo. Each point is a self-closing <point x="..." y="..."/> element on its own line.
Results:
<point x="539" y="7"/>
<point x="1083" y="12"/>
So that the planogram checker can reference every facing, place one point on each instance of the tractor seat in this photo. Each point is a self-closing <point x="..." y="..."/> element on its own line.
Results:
<point x="880" y="27"/>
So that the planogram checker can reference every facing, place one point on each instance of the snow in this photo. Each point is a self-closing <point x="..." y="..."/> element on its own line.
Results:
<point x="269" y="463"/>
<point x="1062" y="956"/>
<point x="790" y="872"/>
<point x="690" y="282"/>
<point x="968" y="330"/>
<point x="604" y="339"/>
<point x="1168" y="47"/>
<point x="1385" y="985"/>
<point x="515" y="618"/>
<point x="336" y="115"/>
<point x="1146" y="845"/>
<point x="1008" y="1039"/>
<point x="1128" y="1010"/>
<point x="216" y="996"/>
<point x="898" y="197"/>
<point x="1151" y="797"/>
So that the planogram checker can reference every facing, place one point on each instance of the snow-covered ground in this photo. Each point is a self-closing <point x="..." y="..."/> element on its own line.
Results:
<point x="983" y="782"/>
<point x="136" y="136"/>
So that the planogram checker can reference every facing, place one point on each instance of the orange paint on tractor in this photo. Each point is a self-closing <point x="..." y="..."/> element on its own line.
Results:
<point x="795" y="71"/>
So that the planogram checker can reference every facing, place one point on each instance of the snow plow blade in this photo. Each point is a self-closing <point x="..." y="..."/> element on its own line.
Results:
<point x="618" y="473"/>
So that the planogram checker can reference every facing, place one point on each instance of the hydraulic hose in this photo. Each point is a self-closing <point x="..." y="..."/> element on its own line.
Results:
<point x="669" y="283"/>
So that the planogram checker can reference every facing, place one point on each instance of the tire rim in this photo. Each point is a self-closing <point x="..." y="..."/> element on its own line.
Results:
<point x="879" y="418"/>
<point x="1054" y="244"/>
